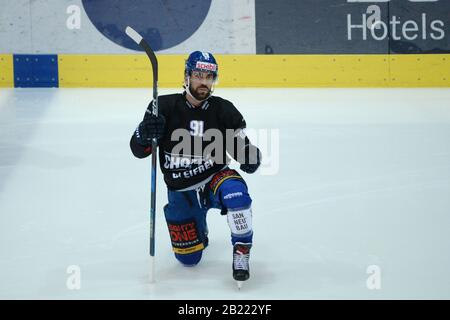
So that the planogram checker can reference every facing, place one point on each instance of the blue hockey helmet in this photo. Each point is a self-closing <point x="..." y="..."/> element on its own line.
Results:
<point x="201" y="61"/>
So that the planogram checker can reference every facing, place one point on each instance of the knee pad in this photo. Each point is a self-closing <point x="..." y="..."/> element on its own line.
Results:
<point x="229" y="189"/>
<point x="189" y="260"/>
<point x="234" y="195"/>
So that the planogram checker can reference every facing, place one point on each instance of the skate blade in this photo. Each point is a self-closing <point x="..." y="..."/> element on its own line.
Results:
<point x="239" y="284"/>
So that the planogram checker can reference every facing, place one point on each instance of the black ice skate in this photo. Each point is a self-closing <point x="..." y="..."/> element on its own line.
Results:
<point x="241" y="256"/>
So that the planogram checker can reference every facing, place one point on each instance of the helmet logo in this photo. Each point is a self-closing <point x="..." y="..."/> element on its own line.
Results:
<point x="206" y="66"/>
<point x="205" y="55"/>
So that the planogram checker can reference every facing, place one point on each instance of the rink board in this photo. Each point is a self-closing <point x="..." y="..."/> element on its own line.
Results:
<point x="262" y="70"/>
<point x="6" y="70"/>
<point x="35" y="71"/>
<point x="428" y="70"/>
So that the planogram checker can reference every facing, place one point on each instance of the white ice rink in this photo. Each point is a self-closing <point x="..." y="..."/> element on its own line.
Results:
<point x="363" y="180"/>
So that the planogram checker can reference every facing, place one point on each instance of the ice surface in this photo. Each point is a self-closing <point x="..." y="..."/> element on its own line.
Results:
<point x="364" y="179"/>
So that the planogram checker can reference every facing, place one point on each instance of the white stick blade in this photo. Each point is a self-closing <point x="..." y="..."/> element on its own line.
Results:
<point x="133" y="34"/>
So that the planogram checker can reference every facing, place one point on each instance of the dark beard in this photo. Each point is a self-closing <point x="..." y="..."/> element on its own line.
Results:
<point x="199" y="96"/>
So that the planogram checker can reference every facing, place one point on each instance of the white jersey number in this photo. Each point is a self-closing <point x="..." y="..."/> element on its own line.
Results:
<point x="196" y="128"/>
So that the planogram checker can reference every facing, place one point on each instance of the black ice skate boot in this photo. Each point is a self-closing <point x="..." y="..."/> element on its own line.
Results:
<point x="241" y="256"/>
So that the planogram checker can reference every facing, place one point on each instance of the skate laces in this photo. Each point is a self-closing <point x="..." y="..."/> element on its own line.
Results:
<point x="241" y="256"/>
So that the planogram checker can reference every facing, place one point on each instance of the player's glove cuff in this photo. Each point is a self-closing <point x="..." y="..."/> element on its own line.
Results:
<point x="252" y="159"/>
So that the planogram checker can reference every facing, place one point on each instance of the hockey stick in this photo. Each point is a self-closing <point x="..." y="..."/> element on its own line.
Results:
<point x="151" y="55"/>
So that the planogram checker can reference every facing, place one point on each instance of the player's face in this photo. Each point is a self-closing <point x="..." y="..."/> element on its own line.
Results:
<point x="200" y="84"/>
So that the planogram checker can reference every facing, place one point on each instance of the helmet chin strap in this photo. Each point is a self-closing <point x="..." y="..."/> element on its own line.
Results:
<point x="188" y="91"/>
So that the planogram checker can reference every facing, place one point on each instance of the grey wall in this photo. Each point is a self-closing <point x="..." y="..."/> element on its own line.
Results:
<point x="40" y="26"/>
<point x="225" y="26"/>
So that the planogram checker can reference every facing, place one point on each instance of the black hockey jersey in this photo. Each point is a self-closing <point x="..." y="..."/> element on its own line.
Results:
<point x="185" y="166"/>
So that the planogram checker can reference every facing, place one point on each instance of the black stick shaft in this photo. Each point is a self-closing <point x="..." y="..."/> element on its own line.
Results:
<point x="151" y="55"/>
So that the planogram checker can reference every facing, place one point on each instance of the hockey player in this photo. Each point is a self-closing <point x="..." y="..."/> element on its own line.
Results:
<point x="197" y="181"/>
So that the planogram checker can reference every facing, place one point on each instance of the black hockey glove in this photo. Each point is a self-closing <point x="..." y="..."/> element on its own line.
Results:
<point x="252" y="159"/>
<point x="152" y="127"/>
